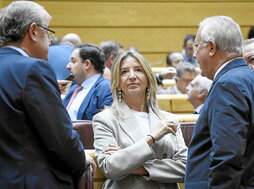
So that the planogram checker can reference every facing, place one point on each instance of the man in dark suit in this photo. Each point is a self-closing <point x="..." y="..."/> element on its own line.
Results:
<point x="38" y="148"/>
<point x="94" y="93"/>
<point x="221" y="152"/>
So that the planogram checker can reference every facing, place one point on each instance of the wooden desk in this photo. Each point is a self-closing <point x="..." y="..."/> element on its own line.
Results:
<point x="187" y="117"/>
<point x="158" y="69"/>
<point x="174" y="103"/>
<point x="168" y="82"/>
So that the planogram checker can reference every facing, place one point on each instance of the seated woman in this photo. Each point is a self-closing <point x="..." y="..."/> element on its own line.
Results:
<point x="137" y="146"/>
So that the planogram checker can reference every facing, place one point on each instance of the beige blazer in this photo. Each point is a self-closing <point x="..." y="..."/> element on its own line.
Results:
<point x="165" y="160"/>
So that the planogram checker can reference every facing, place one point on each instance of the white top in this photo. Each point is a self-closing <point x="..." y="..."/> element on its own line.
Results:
<point x="143" y="118"/>
<point x="87" y="85"/>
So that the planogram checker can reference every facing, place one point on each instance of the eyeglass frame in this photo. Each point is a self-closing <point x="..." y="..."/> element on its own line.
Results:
<point x="195" y="45"/>
<point x="52" y="32"/>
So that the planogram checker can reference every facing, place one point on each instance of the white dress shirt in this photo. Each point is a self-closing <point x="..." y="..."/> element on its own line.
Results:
<point x="87" y="85"/>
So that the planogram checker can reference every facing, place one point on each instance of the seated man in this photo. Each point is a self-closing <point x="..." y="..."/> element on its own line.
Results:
<point x="248" y="52"/>
<point x="91" y="92"/>
<point x="197" y="91"/>
<point x="185" y="73"/>
<point x="187" y="51"/>
<point x="111" y="49"/>
<point x="173" y="59"/>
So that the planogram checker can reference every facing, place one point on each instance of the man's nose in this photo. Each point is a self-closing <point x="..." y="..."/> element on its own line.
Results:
<point x="68" y="66"/>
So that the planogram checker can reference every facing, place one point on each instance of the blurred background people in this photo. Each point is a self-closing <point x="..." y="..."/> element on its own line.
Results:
<point x="251" y="33"/>
<point x="185" y="73"/>
<point x="137" y="146"/>
<point x="55" y="41"/>
<point x="188" y="50"/>
<point x="174" y="58"/>
<point x="111" y="49"/>
<point x="38" y="148"/>
<point x="197" y="91"/>
<point x="91" y="91"/>
<point x="248" y="52"/>
<point x="59" y="55"/>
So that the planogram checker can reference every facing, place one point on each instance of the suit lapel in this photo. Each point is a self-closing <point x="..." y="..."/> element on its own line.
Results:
<point x="131" y="125"/>
<point x="87" y="99"/>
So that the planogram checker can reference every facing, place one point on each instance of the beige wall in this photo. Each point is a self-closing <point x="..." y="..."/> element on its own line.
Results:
<point x="155" y="27"/>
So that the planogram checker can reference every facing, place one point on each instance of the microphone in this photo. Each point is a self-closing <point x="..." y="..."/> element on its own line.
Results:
<point x="70" y="77"/>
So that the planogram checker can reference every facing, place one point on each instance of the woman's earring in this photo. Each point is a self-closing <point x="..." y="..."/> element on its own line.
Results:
<point x="148" y="96"/>
<point x="119" y="95"/>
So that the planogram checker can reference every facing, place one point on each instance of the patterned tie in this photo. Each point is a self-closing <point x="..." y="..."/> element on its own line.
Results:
<point x="75" y="93"/>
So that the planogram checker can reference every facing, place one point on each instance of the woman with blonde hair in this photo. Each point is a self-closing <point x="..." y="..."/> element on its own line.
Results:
<point x="137" y="146"/>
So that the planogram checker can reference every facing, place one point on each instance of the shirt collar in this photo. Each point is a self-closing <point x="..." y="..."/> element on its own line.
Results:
<point x="21" y="51"/>
<point x="222" y="66"/>
<point x="198" y="109"/>
<point x="90" y="81"/>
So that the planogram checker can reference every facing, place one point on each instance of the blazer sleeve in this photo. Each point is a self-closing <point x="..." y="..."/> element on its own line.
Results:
<point x="121" y="163"/>
<point x="170" y="169"/>
<point x="229" y="122"/>
<point x="51" y="121"/>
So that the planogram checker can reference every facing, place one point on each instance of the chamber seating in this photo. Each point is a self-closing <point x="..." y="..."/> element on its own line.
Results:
<point x="168" y="82"/>
<point x="174" y="103"/>
<point x="187" y="128"/>
<point x="85" y="130"/>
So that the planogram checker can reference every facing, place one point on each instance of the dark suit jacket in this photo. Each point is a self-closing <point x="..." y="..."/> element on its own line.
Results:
<point x="58" y="58"/>
<point x="100" y="95"/>
<point x="38" y="148"/>
<point x="221" y="153"/>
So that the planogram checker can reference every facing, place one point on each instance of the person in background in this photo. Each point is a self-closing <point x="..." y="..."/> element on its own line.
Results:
<point x="251" y="33"/>
<point x="137" y="146"/>
<point x="248" y="52"/>
<point x="111" y="49"/>
<point x="59" y="55"/>
<point x="38" y="148"/>
<point x="185" y="73"/>
<point x="220" y="154"/>
<point x="188" y="50"/>
<point x="55" y="41"/>
<point x="91" y="91"/>
<point x="174" y="58"/>
<point x="197" y="91"/>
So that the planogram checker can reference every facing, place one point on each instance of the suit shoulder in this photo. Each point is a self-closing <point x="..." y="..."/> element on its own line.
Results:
<point x="104" y="114"/>
<point x="104" y="82"/>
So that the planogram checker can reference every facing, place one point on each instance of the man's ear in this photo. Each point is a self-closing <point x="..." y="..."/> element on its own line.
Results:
<point x="213" y="48"/>
<point x="87" y="63"/>
<point x="32" y="32"/>
<point x="111" y="57"/>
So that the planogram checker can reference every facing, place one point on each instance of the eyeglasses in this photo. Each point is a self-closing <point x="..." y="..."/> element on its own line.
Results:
<point x="50" y="33"/>
<point x="196" y="44"/>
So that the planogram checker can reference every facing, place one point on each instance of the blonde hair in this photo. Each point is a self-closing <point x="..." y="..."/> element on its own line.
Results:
<point x="151" y="102"/>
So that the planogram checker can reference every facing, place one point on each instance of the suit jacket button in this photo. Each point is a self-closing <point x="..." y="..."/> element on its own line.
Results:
<point x="164" y="155"/>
